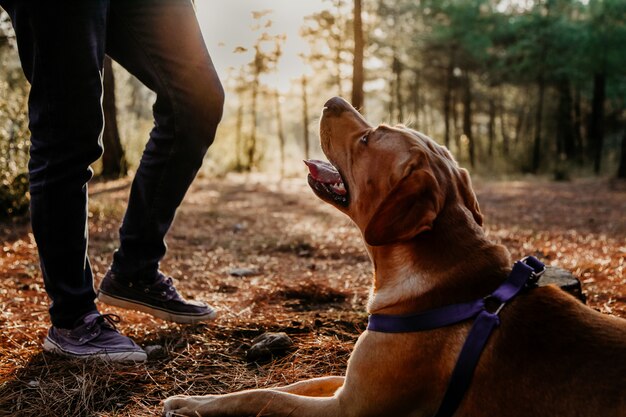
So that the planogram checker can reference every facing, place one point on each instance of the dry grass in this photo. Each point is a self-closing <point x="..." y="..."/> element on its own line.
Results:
<point x="312" y="282"/>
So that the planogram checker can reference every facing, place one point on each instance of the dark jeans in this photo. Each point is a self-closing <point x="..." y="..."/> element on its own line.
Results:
<point x="62" y="46"/>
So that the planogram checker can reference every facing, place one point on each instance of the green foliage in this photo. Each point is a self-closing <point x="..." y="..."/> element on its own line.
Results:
<point x="465" y="26"/>
<point x="534" y="62"/>
<point x="606" y="36"/>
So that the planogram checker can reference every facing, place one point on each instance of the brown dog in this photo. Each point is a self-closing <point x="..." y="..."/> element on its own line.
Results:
<point x="551" y="355"/>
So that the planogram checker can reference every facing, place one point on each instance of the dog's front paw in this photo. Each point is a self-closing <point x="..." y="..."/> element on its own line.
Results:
<point x="180" y="405"/>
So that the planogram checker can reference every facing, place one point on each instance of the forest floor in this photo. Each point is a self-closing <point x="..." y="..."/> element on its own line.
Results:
<point x="309" y="278"/>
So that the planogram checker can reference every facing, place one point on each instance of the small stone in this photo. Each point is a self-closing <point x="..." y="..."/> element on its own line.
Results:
<point x="33" y="384"/>
<point x="243" y="272"/>
<point x="268" y="345"/>
<point x="155" y="351"/>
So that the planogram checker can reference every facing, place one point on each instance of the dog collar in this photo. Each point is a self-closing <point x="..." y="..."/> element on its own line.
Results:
<point x="525" y="274"/>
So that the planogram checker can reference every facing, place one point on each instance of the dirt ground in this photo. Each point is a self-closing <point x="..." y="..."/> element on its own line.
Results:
<point x="309" y="277"/>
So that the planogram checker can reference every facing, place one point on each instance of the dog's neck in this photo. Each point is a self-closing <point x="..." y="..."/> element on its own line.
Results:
<point x="454" y="262"/>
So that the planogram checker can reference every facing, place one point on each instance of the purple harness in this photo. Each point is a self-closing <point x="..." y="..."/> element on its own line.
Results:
<point x="525" y="274"/>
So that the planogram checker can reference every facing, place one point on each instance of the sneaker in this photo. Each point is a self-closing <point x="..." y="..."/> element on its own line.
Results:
<point x="94" y="336"/>
<point x="158" y="298"/>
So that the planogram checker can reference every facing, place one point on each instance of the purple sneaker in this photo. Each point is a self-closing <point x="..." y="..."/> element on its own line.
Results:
<point x="94" y="336"/>
<point x="158" y="298"/>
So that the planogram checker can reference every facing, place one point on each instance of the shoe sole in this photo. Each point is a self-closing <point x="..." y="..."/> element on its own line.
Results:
<point x="51" y="346"/>
<point x="167" y="315"/>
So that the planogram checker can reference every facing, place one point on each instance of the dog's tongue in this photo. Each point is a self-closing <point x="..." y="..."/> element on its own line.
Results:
<point x="323" y="171"/>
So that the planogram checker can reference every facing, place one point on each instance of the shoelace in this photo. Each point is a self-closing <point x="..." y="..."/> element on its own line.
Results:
<point x="108" y="320"/>
<point x="162" y="284"/>
<point x="167" y="283"/>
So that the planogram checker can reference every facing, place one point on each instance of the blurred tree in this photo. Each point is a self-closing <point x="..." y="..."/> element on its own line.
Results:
<point x="305" y="117"/>
<point x="267" y="52"/>
<point x="329" y="39"/>
<point x="621" y="170"/>
<point x="606" y="60"/>
<point x="396" y="43"/>
<point x="467" y="117"/>
<point x="528" y="55"/>
<point x="280" y="131"/>
<point x="461" y="37"/>
<point x="241" y="87"/>
<point x="357" y="63"/>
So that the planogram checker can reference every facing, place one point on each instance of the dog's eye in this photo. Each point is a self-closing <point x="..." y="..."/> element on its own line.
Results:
<point x="364" y="138"/>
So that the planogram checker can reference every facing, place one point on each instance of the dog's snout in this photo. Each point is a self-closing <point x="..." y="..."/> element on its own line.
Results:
<point x="335" y="106"/>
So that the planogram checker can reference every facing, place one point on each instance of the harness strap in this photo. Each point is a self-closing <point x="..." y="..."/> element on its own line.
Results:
<point x="524" y="274"/>
<point x="428" y="320"/>
<point x="463" y="371"/>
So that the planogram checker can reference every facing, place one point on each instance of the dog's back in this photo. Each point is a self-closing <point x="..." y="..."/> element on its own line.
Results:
<point x="552" y="356"/>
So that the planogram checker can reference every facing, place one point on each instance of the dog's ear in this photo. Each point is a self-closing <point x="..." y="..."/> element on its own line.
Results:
<point x="464" y="186"/>
<point x="467" y="195"/>
<point x="410" y="207"/>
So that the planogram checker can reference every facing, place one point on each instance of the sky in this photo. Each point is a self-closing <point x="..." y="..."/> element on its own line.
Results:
<point x="227" y="24"/>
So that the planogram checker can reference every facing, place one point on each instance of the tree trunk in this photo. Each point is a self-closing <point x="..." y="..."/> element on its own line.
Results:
<point x="565" y="122"/>
<point x="252" y="143"/>
<point x="503" y="129"/>
<point x="621" y="171"/>
<point x="397" y="70"/>
<point x="357" y="66"/>
<point x="467" y="119"/>
<point x="447" y="98"/>
<point x="239" y="133"/>
<point x="428" y="118"/>
<point x="339" y="41"/>
<point x="564" y="280"/>
<point x="391" y="109"/>
<point x="281" y="134"/>
<point x="596" y="124"/>
<point x="113" y="159"/>
<point x="491" y="127"/>
<point x="538" y="119"/>
<point x="454" y="101"/>
<point x="305" y="118"/>
<point x="520" y="123"/>
<point x="578" y="121"/>
<point x="446" y="118"/>
<point x="416" y="99"/>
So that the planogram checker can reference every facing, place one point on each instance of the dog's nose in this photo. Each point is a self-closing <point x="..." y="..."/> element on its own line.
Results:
<point x="335" y="106"/>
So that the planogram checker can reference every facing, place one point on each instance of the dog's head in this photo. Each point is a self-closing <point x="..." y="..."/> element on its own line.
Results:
<point x="393" y="182"/>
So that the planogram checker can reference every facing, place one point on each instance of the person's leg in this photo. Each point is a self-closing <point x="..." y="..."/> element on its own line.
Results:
<point x="160" y="42"/>
<point x="61" y="47"/>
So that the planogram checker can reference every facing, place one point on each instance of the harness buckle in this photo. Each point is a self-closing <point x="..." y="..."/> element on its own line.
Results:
<point x="538" y="270"/>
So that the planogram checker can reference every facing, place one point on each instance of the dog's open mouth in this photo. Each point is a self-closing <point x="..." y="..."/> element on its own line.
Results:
<point x="326" y="182"/>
